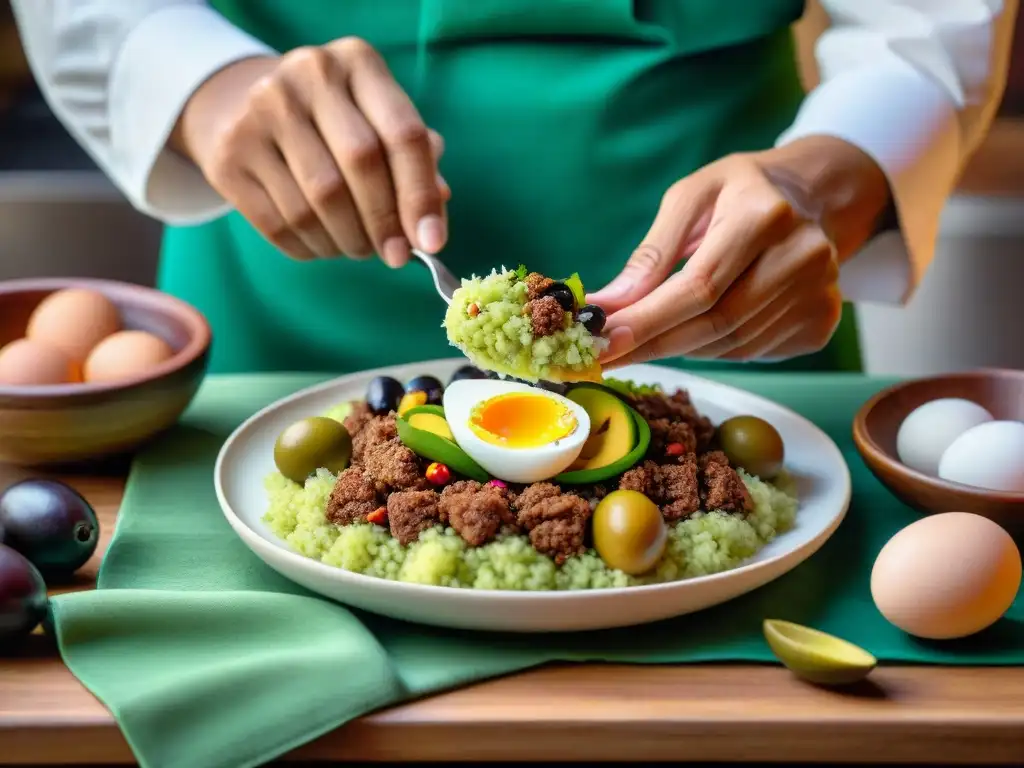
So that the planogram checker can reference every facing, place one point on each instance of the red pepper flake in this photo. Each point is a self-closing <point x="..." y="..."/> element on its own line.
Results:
<point x="675" y="449"/>
<point x="438" y="473"/>
<point x="473" y="309"/>
<point x="378" y="516"/>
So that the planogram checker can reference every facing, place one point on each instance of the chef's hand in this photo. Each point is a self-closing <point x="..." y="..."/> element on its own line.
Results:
<point x="322" y="151"/>
<point x="763" y="235"/>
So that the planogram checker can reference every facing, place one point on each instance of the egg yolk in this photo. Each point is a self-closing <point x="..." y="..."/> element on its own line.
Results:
<point x="521" y="420"/>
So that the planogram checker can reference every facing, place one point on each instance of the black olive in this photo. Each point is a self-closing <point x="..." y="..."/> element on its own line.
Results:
<point x="593" y="319"/>
<point x="432" y="386"/>
<point x="50" y="524"/>
<point x="467" y="372"/>
<point x="563" y="294"/>
<point x="552" y="386"/>
<point x="22" y="596"/>
<point x="383" y="395"/>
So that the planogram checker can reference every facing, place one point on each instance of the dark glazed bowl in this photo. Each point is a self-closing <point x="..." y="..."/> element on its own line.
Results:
<point x="71" y="423"/>
<point x="879" y="419"/>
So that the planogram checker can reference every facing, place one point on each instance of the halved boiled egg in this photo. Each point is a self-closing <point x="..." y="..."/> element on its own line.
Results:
<point x="518" y="433"/>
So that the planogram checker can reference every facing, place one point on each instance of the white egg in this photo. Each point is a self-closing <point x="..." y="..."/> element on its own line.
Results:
<point x="510" y="434"/>
<point x="990" y="456"/>
<point x="931" y="428"/>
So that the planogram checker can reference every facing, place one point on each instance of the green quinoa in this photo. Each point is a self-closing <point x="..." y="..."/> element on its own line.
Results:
<point x="499" y="337"/>
<point x="704" y="544"/>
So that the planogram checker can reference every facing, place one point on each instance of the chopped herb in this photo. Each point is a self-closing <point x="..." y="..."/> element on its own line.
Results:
<point x="522" y="271"/>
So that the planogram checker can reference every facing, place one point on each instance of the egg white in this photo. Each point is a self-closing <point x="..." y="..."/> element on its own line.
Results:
<point x="513" y="465"/>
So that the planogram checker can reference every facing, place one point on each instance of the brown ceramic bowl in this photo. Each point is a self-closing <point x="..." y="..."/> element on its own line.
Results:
<point x="1001" y="392"/>
<point x="72" y="423"/>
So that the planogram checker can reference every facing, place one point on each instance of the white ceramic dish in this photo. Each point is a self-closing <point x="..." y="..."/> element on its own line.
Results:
<point x="815" y="461"/>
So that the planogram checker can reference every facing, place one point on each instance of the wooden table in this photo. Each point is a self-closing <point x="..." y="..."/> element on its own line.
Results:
<point x="688" y="713"/>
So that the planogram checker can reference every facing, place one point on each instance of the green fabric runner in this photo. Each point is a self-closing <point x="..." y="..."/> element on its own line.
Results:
<point x="208" y="658"/>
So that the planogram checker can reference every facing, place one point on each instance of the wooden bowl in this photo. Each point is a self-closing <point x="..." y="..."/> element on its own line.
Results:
<point x="1001" y="392"/>
<point x="72" y="423"/>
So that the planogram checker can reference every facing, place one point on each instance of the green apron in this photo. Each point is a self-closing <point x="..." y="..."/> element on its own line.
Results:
<point x="564" y="120"/>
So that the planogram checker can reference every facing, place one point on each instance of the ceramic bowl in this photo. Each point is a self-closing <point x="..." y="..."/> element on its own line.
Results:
<point x="879" y="419"/>
<point x="72" y="423"/>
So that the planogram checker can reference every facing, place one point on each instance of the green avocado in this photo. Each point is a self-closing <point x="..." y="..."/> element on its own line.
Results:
<point x="424" y="431"/>
<point x="631" y="459"/>
<point x="612" y="428"/>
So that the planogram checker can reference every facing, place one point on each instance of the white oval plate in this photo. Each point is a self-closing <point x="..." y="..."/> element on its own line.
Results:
<point x="815" y="461"/>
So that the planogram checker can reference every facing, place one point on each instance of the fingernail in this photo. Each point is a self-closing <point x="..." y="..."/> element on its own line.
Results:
<point x="620" y="342"/>
<point x="395" y="252"/>
<point x="431" y="233"/>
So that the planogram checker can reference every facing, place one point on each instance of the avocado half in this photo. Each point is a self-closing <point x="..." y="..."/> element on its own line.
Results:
<point x="619" y="436"/>
<point x="425" y="432"/>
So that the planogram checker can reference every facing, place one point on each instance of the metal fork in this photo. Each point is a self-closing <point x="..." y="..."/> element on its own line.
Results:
<point x="444" y="281"/>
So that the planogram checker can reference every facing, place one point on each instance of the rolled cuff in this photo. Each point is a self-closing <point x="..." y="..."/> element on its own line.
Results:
<point x="908" y="124"/>
<point x="163" y="61"/>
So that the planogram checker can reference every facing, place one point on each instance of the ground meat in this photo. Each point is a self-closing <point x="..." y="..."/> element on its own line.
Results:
<point x="665" y="432"/>
<point x="412" y="512"/>
<point x="394" y="467"/>
<point x="353" y="497"/>
<point x="533" y="494"/>
<point x="720" y="486"/>
<point x="476" y="512"/>
<point x="358" y="417"/>
<point x="536" y="284"/>
<point x="376" y="430"/>
<point x="673" y="487"/>
<point x="556" y="521"/>
<point x="677" y="408"/>
<point x="546" y="316"/>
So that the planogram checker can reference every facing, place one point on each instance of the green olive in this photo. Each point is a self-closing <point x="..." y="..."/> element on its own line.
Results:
<point x="311" y="444"/>
<point x="753" y="444"/>
<point x="629" y="532"/>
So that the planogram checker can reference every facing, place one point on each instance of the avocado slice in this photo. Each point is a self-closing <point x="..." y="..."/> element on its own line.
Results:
<point x="631" y="459"/>
<point x="613" y="431"/>
<point x="424" y="431"/>
<point x="429" y="418"/>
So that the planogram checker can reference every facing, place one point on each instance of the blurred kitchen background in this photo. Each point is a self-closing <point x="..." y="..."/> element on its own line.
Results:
<point x="60" y="216"/>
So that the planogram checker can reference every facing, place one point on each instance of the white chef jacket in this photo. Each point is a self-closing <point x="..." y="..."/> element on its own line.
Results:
<point x="913" y="83"/>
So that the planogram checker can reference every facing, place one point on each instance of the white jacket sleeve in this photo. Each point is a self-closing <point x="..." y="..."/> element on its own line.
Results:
<point x="117" y="74"/>
<point x="915" y="84"/>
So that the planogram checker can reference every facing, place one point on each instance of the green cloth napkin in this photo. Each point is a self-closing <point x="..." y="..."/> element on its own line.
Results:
<point x="207" y="657"/>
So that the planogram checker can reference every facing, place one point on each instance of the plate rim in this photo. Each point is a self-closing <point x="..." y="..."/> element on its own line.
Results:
<point x="253" y="539"/>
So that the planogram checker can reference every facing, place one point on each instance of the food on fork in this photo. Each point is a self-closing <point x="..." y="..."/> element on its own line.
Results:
<point x="524" y="325"/>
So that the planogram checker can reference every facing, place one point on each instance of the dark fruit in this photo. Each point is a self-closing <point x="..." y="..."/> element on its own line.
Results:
<point x="50" y="524"/>
<point x="432" y="386"/>
<point x="593" y="319"/>
<point x="22" y="595"/>
<point x="553" y="386"/>
<point x="563" y="294"/>
<point x="384" y="394"/>
<point x="467" y="372"/>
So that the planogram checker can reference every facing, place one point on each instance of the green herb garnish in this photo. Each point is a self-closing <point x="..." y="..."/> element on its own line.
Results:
<point x="522" y="271"/>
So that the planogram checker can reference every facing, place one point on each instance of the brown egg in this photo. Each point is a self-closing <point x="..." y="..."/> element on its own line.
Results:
<point x="946" y="576"/>
<point x="74" y="320"/>
<point x="25" y="363"/>
<point x="125" y="354"/>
